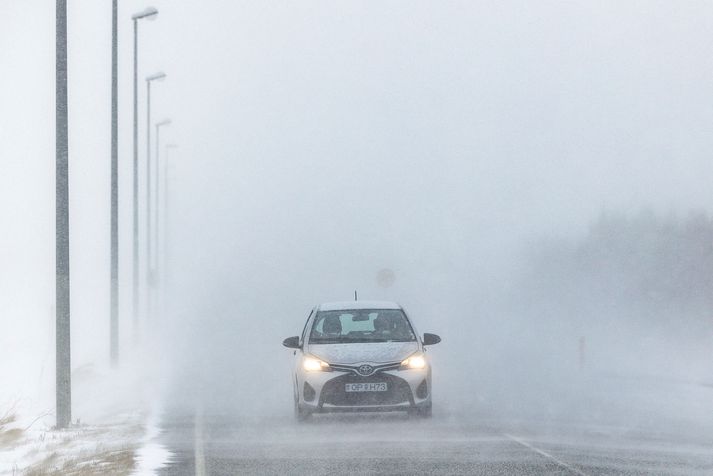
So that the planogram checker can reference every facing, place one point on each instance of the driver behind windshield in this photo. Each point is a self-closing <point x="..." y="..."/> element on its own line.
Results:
<point x="371" y="326"/>
<point x="390" y="328"/>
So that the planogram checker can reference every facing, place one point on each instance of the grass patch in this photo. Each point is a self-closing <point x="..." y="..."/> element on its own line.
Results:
<point x="6" y="419"/>
<point x="9" y="436"/>
<point x="103" y="462"/>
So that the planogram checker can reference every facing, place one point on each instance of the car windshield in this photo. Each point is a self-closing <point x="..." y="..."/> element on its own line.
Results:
<point x="354" y="326"/>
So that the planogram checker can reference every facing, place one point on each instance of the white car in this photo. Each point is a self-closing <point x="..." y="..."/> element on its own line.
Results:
<point x="360" y="356"/>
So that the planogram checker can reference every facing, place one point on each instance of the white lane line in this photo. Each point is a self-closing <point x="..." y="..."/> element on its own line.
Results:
<point x="545" y="454"/>
<point x="199" y="453"/>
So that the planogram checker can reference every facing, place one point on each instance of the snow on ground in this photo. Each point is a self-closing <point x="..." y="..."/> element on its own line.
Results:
<point x="113" y="428"/>
<point x="150" y="455"/>
<point x="107" y="448"/>
<point x="122" y="444"/>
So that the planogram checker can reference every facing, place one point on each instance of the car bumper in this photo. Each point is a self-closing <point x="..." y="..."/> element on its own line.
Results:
<point x="324" y="392"/>
<point x="365" y="409"/>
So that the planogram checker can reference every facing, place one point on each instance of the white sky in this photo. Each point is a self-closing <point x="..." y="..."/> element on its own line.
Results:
<point x="371" y="134"/>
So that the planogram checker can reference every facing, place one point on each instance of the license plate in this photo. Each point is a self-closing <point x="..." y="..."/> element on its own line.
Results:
<point x="366" y="387"/>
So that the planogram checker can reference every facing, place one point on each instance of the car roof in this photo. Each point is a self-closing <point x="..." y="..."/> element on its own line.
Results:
<point x="354" y="305"/>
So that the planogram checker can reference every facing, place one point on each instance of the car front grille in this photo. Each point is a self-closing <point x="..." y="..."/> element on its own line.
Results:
<point x="334" y="392"/>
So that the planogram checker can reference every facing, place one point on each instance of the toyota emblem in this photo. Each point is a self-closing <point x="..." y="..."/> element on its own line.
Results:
<point x="365" y="370"/>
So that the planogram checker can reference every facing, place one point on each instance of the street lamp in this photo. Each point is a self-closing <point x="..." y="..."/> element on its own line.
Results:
<point x="159" y="124"/>
<point x="152" y="241"/>
<point x="164" y="215"/>
<point x="162" y="250"/>
<point x="149" y="13"/>
<point x="160" y="76"/>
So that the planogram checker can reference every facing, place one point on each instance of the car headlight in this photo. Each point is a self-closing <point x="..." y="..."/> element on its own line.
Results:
<point x="415" y="361"/>
<point x="313" y="364"/>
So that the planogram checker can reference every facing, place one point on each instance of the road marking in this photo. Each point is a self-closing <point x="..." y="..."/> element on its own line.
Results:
<point x="199" y="452"/>
<point x="545" y="454"/>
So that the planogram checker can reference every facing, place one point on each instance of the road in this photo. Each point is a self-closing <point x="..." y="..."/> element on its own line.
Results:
<point x="212" y="443"/>
<point x="236" y="418"/>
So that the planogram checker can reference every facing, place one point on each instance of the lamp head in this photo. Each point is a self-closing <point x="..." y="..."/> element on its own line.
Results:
<point x="160" y="76"/>
<point x="150" y="13"/>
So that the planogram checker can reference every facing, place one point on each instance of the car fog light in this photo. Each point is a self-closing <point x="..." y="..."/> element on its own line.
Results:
<point x="422" y="390"/>
<point x="309" y="392"/>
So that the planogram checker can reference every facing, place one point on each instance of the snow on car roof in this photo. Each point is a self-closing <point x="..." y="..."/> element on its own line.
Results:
<point x="349" y="305"/>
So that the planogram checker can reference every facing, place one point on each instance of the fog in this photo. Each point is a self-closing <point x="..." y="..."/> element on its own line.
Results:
<point x="482" y="151"/>
<point x="439" y="141"/>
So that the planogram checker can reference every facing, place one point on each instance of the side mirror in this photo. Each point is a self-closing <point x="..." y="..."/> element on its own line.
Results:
<point x="430" y="339"/>
<point x="293" y="342"/>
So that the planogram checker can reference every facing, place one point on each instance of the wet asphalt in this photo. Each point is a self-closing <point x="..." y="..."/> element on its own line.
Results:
<point x="214" y="443"/>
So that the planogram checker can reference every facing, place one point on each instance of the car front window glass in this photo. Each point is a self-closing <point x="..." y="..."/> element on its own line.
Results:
<point x="387" y="325"/>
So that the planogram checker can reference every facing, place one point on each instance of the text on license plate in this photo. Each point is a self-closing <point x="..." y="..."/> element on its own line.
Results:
<point x="366" y="387"/>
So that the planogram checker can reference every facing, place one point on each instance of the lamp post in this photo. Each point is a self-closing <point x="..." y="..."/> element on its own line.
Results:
<point x="159" y="124"/>
<point x="163" y="252"/>
<point x="151" y="303"/>
<point x="164" y="215"/>
<point x="160" y="76"/>
<point x="149" y="13"/>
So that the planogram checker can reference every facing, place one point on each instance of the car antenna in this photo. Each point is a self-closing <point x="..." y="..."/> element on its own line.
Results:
<point x="355" y="295"/>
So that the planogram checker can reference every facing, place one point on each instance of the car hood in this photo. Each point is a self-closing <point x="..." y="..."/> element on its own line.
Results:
<point x="353" y="353"/>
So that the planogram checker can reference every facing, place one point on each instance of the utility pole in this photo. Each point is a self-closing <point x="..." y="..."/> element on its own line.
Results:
<point x="63" y="362"/>
<point x="114" y="273"/>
